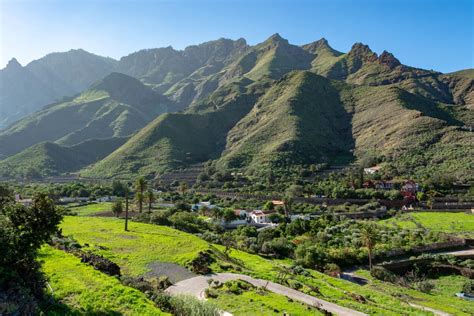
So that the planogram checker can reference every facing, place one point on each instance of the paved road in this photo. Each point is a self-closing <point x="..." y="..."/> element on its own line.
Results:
<point x="196" y="286"/>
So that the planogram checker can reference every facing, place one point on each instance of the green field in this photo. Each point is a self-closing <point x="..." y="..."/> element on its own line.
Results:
<point x="79" y="289"/>
<point x="254" y="302"/>
<point x="457" y="223"/>
<point x="134" y="250"/>
<point x="91" y="209"/>
<point x="146" y="243"/>
<point x="442" y="297"/>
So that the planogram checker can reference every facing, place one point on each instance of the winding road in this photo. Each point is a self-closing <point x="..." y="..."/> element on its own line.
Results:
<point x="197" y="285"/>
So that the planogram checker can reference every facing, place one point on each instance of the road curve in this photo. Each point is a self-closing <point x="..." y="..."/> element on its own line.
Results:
<point x="196" y="286"/>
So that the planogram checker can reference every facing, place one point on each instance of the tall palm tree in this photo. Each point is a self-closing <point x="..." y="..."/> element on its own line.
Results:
<point x="140" y="187"/>
<point x="288" y="203"/>
<point x="183" y="187"/>
<point x="150" y="198"/>
<point x="126" y="193"/>
<point x="139" y="197"/>
<point x="369" y="235"/>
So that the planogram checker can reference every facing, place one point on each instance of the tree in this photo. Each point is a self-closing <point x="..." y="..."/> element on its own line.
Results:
<point x="117" y="208"/>
<point x="369" y="235"/>
<point x="118" y="188"/>
<point x="183" y="187"/>
<point x="288" y="203"/>
<point x="228" y="241"/>
<point x="23" y="230"/>
<point x="140" y="187"/>
<point x="139" y="198"/>
<point x="269" y="205"/>
<point x="150" y="198"/>
<point x="126" y="193"/>
<point x="228" y="215"/>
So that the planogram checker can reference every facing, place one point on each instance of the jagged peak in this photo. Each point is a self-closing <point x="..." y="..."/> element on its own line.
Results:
<point x="388" y="59"/>
<point x="315" y="46"/>
<point x="276" y="38"/>
<point x="362" y="51"/>
<point x="13" y="63"/>
<point x="115" y="80"/>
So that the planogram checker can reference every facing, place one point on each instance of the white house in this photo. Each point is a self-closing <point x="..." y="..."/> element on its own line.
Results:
<point x="261" y="217"/>
<point x="372" y="170"/>
<point x="109" y="198"/>
<point x="25" y="202"/>
<point x="200" y="205"/>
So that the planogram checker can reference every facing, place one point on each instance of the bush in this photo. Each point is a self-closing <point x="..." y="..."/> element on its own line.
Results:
<point x="100" y="263"/>
<point x="468" y="287"/>
<point x="383" y="274"/>
<point x="183" y="305"/>
<point x="425" y="286"/>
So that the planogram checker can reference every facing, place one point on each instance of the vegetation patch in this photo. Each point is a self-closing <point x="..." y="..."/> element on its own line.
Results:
<point x="241" y="298"/>
<point x="456" y="223"/>
<point x="80" y="289"/>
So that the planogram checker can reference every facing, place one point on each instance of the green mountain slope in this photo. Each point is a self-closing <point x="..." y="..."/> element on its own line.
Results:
<point x="46" y="159"/>
<point x="301" y="119"/>
<point x="26" y="89"/>
<point x="272" y="105"/>
<point x="116" y="106"/>
<point x="181" y="139"/>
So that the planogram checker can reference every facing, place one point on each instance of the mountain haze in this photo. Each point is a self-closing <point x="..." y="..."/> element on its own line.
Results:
<point x="24" y="90"/>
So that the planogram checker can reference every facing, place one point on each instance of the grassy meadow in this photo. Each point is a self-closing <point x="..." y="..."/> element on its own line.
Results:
<point x="79" y="289"/>
<point x="145" y="243"/>
<point x="442" y="297"/>
<point x="91" y="209"/>
<point x="457" y="223"/>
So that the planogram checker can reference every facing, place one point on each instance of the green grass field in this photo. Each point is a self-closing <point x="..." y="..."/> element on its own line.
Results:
<point x="146" y="243"/>
<point x="442" y="297"/>
<point x="254" y="303"/>
<point x="91" y="209"/>
<point x="79" y="289"/>
<point x="134" y="250"/>
<point x="457" y="223"/>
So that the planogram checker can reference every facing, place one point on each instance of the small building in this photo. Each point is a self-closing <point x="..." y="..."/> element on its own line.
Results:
<point x="200" y="205"/>
<point x="372" y="170"/>
<point x="24" y="202"/>
<point x="109" y="198"/>
<point x="261" y="217"/>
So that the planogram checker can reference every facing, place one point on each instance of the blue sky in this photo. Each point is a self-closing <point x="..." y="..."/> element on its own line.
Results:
<point x="428" y="34"/>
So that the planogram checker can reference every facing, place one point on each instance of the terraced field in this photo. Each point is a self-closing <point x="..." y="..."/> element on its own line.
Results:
<point x="80" y="290"/>
<point x="134" y="251"/>
<point x="458" y="223"/>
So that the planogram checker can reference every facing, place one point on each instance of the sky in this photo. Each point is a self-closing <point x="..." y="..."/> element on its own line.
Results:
<point x="430" y="34"/>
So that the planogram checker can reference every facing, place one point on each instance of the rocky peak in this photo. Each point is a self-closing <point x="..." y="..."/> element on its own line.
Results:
<point x="13" y="64"/>
<point x="388" y="60"/>
<point x="276" y="38"/>
<point x="362" y="51"/>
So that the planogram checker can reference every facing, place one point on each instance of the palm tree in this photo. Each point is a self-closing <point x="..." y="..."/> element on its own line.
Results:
<point x="369" y="236"/>
<point x="140" y="187"/>
<point x="288" y="202"/>
<point x="139" y="199"/>
<point x="150" y="198"/>
<point x="126" y="193"/>
<point x="183" y="187"/>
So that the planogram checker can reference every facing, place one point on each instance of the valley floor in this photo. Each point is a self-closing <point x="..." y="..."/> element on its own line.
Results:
<point x="135" y="252"/>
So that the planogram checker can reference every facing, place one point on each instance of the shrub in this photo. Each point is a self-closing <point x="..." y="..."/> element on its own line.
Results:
<point x="425" y="286"/>
<point x="183" y="305"/>
<point x="468" y="287"/>
<point x="100" y="263"/>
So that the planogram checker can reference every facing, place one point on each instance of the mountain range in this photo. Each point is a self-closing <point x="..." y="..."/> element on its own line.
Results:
<point x="253" y="108"/>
